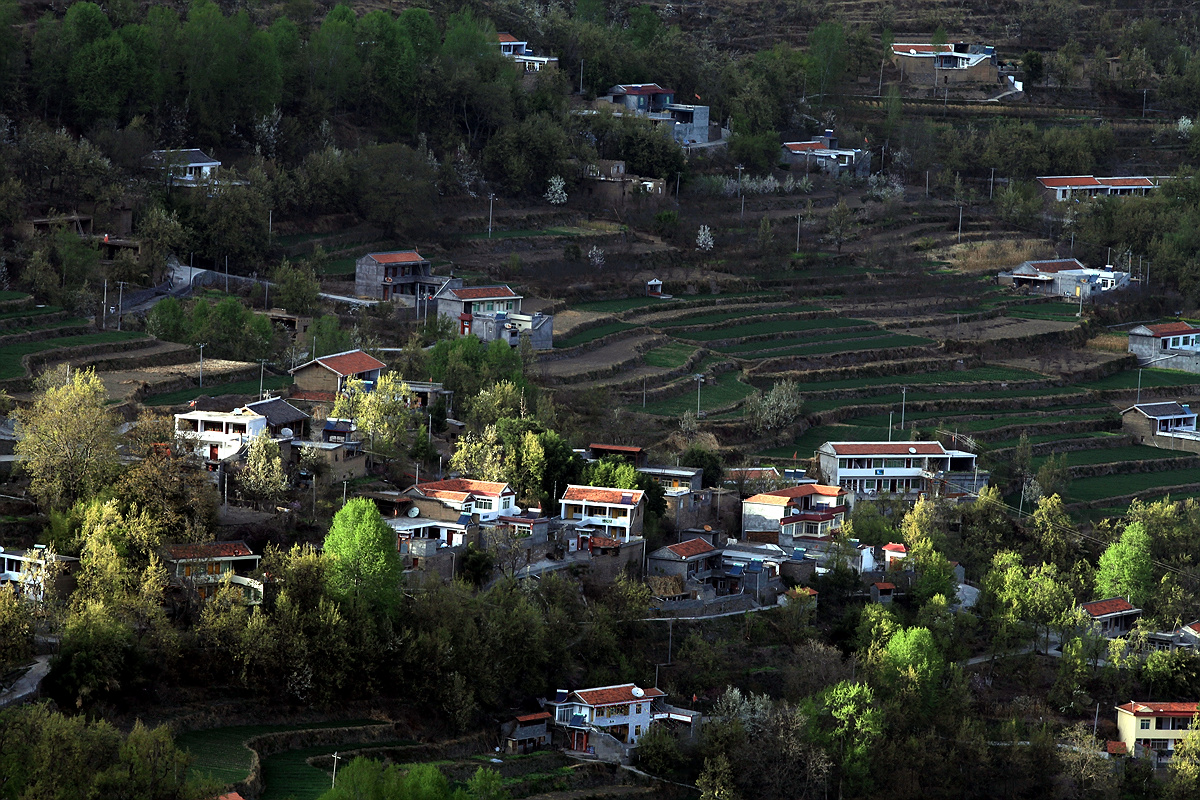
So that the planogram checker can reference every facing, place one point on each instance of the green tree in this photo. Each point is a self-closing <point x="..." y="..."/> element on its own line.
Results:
<point x="1052" y="530"/>
<point x="827" y="50"/>
<point x="840" y="225"/>
<point x="364" y="565"/>
<point x="262" y="479"/>
<point x="850" y="722"/>
<point x="1126" y="568"/>
<point x="912" y="662"/>
<point x="716" y="780"/>
<point x="68" y="441"/>
<point x="383" y="413"/>
<point x="296" y="288"/>
<point x="16" y="628"/>
<point x="167" y="321"/>
<point x="1034" y="65"/>
<point x="613" y="472"/>
<point x="1054" y="476"/>
<point x="705" y="459"/>
<point x="160" y="233"/>
<point x="1184" y="781"/>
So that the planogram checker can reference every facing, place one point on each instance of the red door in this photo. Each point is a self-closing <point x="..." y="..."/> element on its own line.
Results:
<point x="212" y="452"/>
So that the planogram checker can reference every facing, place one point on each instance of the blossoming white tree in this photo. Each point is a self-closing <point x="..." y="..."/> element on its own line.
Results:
<point x="556" y="195"/>
<point x="704" y="239"/>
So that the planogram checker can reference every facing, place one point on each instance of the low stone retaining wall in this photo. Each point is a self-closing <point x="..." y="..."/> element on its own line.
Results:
<point x="46" y="333"/>
<point x="609" y="369"/>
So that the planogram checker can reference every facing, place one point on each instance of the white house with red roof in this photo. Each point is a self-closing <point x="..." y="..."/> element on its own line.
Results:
<point x="1074" y="187"/>
<point x="871" y="469"/>
<point x="823" y="155"/>
<point x="494" y="312"/>
<point x="893" y="554"/>
<point x="202" y="568"/>
<point x="489" y="499"/>
<point x="1181" y="340"/>
<point x="615" y="513"/>
<point x="810" y="508"/>
<point x="1063" y="277"/>
<point x="1150" y="729"/>
<point x="397" y="275"/>
<point x="519" y="51"/>
<point x="1111" y="618"/>
<point x="324" y="378"/>
<point x="624" y="712"/>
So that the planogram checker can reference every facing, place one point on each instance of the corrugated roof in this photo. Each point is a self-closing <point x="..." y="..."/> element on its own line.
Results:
<point x="691" y="548"/>
<point x="1101" y="608"/>
<point x="888" y="448"/>
<point x="600" y="494"/>
<point x="1159" y="410"/>
<point x="1054" y="264"/>
<point x="1133" y="181"/>
<point x="398" y="257"/>
<point x="182" y="552"/>
<point x="611" y="695"/>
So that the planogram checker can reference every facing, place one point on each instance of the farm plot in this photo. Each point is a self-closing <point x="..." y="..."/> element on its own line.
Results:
<point x="29" y="312"/>
<point x="237" y="387"/>
<point x="1151" y="378"/>
<point x="1099" y="436"/>
<point x="630" y="303"/>
<point x="592" y="334"/>
<point x="10" y="355"/>
<point x="1003" y="416"/>
<point x="1114" y="455"/>
<point x="814" y="406"/>
<point x="717" y="317"/>
<point x="222" y="753"/>
<point x="974" y="375"/>
<point x="289" y="776"/>
<point x="726" y="390"/>
<point x="1054" y="312"/>
<point x="670" y="356"/>
<point x="768" y="327"/>
<point x="1088" y="490"/>
<point x="798" y="341"/>
<point x="842" y="346"/>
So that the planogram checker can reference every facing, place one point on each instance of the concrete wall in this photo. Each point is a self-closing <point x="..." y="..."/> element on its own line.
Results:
<point x="315" y="378"/>
<point x="920" y="69"/>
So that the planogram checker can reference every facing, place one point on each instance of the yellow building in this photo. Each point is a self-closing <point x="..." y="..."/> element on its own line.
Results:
<point x="1152" y="729"/>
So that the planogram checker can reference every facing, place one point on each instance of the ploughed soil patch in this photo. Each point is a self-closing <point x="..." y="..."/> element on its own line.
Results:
<point x="990" y="329"/>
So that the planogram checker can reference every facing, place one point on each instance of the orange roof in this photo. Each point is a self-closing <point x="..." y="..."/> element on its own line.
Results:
<point x="599" y="494"/>
<point x="888" y="448"/>
<point x="800" y="147"/>
<point x="893" y="547"/>
<point x="603" y="541"/>
<point x="690" y="548"/>
<point x="1144" y="182"/>
<point x="436" y="494"/>
<point x="494" y="488"/>
<point x="349" y="363"/>
<point x="1056" y="264"/>
<point x="1101" y="608"/>
<point x="482" y="292"/>
<point x="398" y="257"/>
<point x="1069" y="180"/>
<point x="883" y="586"/>
<point x="1116" y="748"/>
<point x="1172" y="329"/>
<point x="619" y="448"/>
<point x="751" y="473"/>
<point x="611" y="695"/>
<point x="538" y="717"/>
<point x="507" y="38"/>
<point x="1159" y="709"/>
<point x="230" y="796"/>
<point x="182" y="552"/>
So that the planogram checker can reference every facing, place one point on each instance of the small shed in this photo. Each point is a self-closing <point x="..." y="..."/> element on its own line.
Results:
<point x="527" y="733"/>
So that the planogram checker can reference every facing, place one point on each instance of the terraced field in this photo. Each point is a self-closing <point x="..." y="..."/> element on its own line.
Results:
<point x="727" y="390"/>
<point x="11" y="355"/>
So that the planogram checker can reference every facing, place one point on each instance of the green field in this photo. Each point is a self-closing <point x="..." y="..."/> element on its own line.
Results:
<point x="796" y="341"/>
<point x="222" y="753"/>
<point x="1054" y="312"/>
<point x="1111" y="455"/>
<point x="287" y="775"/>
<point x="64" y="323"/>
<point x="670" y="356"/>
<point x="30" y="312"/>
<point x="7" y="295"/>
<point x="806" y="443"/>
<point x="775" y="326"/>
<point x="237" y="387"/>
<point x="718" y="317"/>
<point x="592" y="334"/>
<point x="1092" y="489"/>
<point x="623" y="304"/>
<point x="1151" y="377"/>
<point x="727" y="389"/>
<point x="975" y="375"/>
<point x="949" y="419"/>
<point x="10" y="355"/>
<point x="896" y="398"/>
<point x="340" y="266"/>
<point x="844" y="346"/>
<point x="1054" y="437"/>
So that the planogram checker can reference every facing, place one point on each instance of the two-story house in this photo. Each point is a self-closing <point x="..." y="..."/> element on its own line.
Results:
<point x="616" y="513"/>
<point x="202" y="567"/>
<point x="909" y="469"/>
<point x="283" y="418"/>
<point x="398" y="275"/>
<point x="692" y="560"/>
<point x="324" y="378"/>
<point x="461" y="303"/>
<point x="31" y="571"/>
<point x="623" y="712"/>
<point x="219" y="435"/>
<point x="1153" y="729"/>
<point x="782" y="514"/>
<point x="519" y="51"/>
<point x="488" y="499"/>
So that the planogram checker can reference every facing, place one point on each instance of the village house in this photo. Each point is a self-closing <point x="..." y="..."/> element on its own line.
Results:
<point x="1152" y="729"/>
<point x="894" y="554"/>
<point x="488" y="499"/>
<point x="607" y="182"/>
<point x="1169" y="425"/>
<point x="692" y="560"/>
<point x="218" y="436"/>
<point x="615" y="513"/>
<point x="675" y="477"/>
<point x="945" y="64"/>
<point x="283" y="418"/>
<point x="342" y="460"/>
<point x="1059" y="188"/>
<point x="634" y="455"/>
<point x="1064" y="277"/>
<point x="520" y="52"/>
<point x="494" y="312"/>
<point x="29" y="570"/>
<point x="910" y="469"/>
<point x="684" y="122"/>
<point x="201" y="568"/>
<point x="324" y="378"/>
<point x="810" y="508"/>
<point x="824" y="155"/>
<point x="399" y="275"/>
<point x="1111" y="618"/>
<point x="527" y="733"/>
<point x="1180" y="340"/>
<point x="183" y="167"/>
<point x="752" y="568"/>
<point x="622" y="712"/>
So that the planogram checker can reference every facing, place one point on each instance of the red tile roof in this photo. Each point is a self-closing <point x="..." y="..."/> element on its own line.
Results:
<point x="230" y="796"/>
<point x="492" y="488"/>
<point x="1057" y="264"/>
<point x="1101" y="608"/>
<point x="619" y="448"/>
<point x="888" y="448"/>
<point x="181" y="552"/>
<point x="506" y="38"/>
<point x="1072" y="181"/>
<point x="1159" y="709"/>
<point x="351" y="363"/>
<point x="690" y="548"/>
<point x="800" y="147"/>
<point x="1172" y="329"/>
<point x="1116" y="748"/>
<point x="603" y="541"/>
<point x="398" y="257"/>
<point x="313" y="396"/>
<point x="883" y="586"/>
<point x="1143" y="182"/>
<point x="538" y="717"/>
<point x="598" y="494"/>
<point x="482" y="292"/>
<point x="893" y="547"/>
<point x="611" y="695"/>
<point x="781" y="497"/>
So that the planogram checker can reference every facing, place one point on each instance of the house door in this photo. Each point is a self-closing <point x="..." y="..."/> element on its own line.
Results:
<point x="387" y="292"/>
<point x="212" y="452"/>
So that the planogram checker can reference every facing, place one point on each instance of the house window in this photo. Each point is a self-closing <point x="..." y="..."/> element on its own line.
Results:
<point x="637" y="730"/>
<point x="1145" y="724"/>
<point x="483" y="505"/>
<point x="1175" y="341"/>
<point x="639" y="708"/>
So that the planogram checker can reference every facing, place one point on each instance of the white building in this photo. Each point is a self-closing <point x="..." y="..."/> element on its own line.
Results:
<point x="870" y="469"/>
<point x="616" y="513"/>
<point x="623" y="712"/>
<point x="810" y="508"/>
<point x="521" y="53"/>
<point x="488" y="499"/>
<point x="1064" y="277"/>
<point x="30" y="569"/>
<point x="219" y="435"/>
<point x="184" y="167"/>
<point x="1153" y="729"/>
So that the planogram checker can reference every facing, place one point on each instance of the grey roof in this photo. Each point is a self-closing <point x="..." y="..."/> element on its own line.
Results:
<point x="1161" y="410"/>
<point x="183" y="157"/>
<point x="277" y="411"/>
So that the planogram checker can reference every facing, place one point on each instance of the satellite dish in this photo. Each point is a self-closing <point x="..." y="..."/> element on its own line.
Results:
<point x="286" y="432"/>
<point x="413" y="512"/>
<point x="708" y="528"/>
<point x="912" y="450"/>
<point x="636" y="692"/>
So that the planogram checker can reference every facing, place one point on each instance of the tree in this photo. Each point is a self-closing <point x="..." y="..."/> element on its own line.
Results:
<point x="1185" y="765"/>
<point x="556" y="194"/>
<point x="68" y="441"/>
<point x="850" y="721"/>
<point x="1022" y="455"/>
<point x="704" y="239"/>
<point x="827" y="50"/>
<point x="840" y="225"/>
<point x="1034" y="66"/>
<point x="1054" y="476"/>
<point x="262" y="479"/>
<point x="913" y="662"/>
<point x="1053" y="532"/>
<point x="383" y="413"/>
<point x="364" y="565"/>
<point x="778" y="408"/>
<point x="707" y="460"/>
<point x="16" y="628"/>
<point x="716" y="781"/>
<point x="1126" y="568"/>
<point x="296" y="288"/>
<point x="612" y="472"/>
<point x="160" y="233"/>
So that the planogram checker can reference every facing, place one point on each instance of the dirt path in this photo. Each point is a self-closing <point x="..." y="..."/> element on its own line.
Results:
<point x="616" y="352"/>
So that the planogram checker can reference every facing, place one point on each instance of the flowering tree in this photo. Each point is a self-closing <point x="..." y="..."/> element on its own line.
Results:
<point x="556" y="195"/>
<point x="704" y="239"/>
<point x="596" y="257"/>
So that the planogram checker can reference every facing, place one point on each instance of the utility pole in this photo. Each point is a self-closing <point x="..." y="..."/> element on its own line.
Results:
<point x="960" y="223"/>
<point x="492" y="197"/>
<point x="226" y="274"/>
<point x="336" y="757"/>
<point x="104" y="307"/>
<point x="202" y="346"/>
<point x="739" y="169"/>
<point x="903" y="401"/>
<point x="581" y="76"/>
<point x="992" y="183"/>
<point x="262" y="371"/>
<point x="799" y="217"/>
<point x="120" y="301"/>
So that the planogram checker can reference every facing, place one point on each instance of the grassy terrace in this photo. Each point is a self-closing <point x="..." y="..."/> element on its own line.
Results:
<point x="6" y="295"/>
<point x="1150" y="377"/>
<point x="10" y="355"/>
<point x="1055" y="437"/>
<point x="669" y="356"/>
<point x="1053" y="312"/>
<point x="1004" y="416"/>
<point x="222" y="753"/>
<point x="718" y="317"/>
<point x="288" y="776"/>
<point x="237" y="387"/>
<point x="727" y="389"/>
<point x="846" y="346"/>
<point x="629" y="303"/>
<point x="975" y="375"/>
<point x="29" y="312"/>
<point x="1112" y="455"/>
<point x="64" y="323"/>
<point x="813" y="406"/>
<point x="806" y="443"/>
<point x="1087" y="490"/>
<point x="592" y="334"/>
<point x="818" y="338"/>
<point x="767" y="327"/>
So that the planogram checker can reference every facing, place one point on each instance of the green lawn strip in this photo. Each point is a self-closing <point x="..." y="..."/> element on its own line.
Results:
<point x="10" y="355"/>
<point x="813" y="406"/>
<point x="222" y="754"/>
<point x="1153" y="376"/>
<point x="618" y="305"/>
<point x="751" y="347"/>
<point x="727" y="389"/>
<point x="30" y="312"/>
<point x="669" y="356"/>
<point x="1055" y="437"/>
<point x="1113" y="455"/>
<point x="7" y="295"/>
<point x="288" y="774"/>
<point x="771" y="326"/>
<point x="1087" y="490"/>
<point x="340" y="266"/>
<point x="591" y="334"/>
<point x="237" y="387"/>
<point x="846" y="346"/>
<point x="522" y="233"/>
<point x="724" y="316"/>
<point x="981" y="425"/>
<point x="806" y="443"/>
<point x="950" y="418"/>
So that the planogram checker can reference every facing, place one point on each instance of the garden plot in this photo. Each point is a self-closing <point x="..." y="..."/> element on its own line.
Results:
<point x="769" y="327"/>
<point x="990" y="329"/>
<point x="725" y="391"/>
